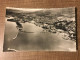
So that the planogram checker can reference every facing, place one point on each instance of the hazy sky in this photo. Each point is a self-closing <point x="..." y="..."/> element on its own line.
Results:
<point x="36" y="9"/>
<point x="24" y="9"/>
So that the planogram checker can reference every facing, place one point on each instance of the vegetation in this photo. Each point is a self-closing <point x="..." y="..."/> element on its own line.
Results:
<point x="51" y="21"/>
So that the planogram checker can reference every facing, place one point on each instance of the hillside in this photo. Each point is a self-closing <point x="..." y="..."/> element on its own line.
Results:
<point x="49" y="19"/>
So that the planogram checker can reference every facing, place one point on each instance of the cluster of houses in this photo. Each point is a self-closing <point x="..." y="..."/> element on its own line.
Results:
<point x="50" y="25"/>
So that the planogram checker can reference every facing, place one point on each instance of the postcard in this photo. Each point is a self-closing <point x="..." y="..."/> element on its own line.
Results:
<point x="40" y="29"/>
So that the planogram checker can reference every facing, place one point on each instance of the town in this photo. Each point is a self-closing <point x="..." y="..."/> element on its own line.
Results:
<point x="50" y="22"/>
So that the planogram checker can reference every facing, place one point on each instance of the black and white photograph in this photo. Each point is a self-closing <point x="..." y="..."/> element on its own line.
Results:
<point x="40" y="29"/>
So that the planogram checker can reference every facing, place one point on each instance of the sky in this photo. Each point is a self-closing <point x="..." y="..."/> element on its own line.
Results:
<point x="36" y="9"/>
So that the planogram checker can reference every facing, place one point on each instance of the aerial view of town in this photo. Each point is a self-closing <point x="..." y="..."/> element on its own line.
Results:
<point x="40" y="29"/>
